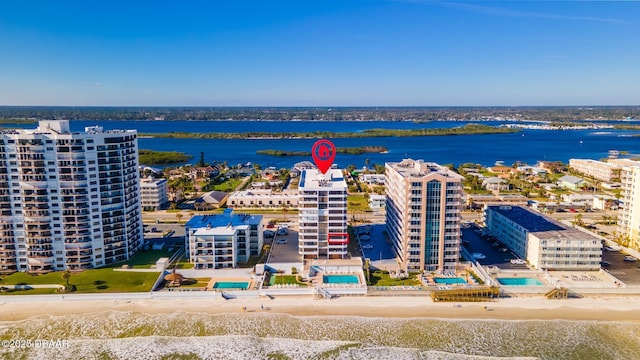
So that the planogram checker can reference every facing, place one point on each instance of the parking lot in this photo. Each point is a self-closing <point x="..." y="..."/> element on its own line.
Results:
<point x="625" y="271"/>
<point x="473" y="242"/>
<point x="153" y="234"/>
<point x="284" y="248"/>
<point x="373" y="242"/>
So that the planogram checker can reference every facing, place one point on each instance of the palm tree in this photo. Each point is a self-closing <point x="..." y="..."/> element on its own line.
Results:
<point x="179" y="216"/>
<point x="66" y="275"/>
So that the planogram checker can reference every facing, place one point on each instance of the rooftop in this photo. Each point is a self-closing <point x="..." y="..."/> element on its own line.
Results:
<point x="571" y="179"/>
<point x="542" y="226"/>
<point x="418" y="168"/>
<point x="314" y="179"/>
<point x="226" y="219"/>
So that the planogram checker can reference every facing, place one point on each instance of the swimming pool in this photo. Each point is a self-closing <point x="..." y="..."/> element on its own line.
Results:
<point x="520" y="281"/>
<point x="449" y="280"/>
<point x="230" y="285"/>
<point x="340" y="279"/>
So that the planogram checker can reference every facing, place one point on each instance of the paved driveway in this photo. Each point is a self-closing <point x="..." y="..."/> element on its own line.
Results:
<point x="475" y="244"/>
<point x="381" y="248"/>
<point x="284" y="253"/>
<point x="626" y="271"/>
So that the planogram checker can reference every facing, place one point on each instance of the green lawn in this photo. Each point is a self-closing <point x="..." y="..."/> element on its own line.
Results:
<point x="103" y="280"/>
<point x="285" y="279"/>
<point x="143" y="259"/>
<point x="195" y="283"/>
<point x="357" y="202"/>
<point x="228" y="185"/>
<point x="382" y="278"/>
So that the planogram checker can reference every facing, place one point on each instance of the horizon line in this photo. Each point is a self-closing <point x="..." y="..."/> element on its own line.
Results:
<point x="318" y="106"/>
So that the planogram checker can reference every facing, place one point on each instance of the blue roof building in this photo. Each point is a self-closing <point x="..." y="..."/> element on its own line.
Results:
<point x="221" y="241"/>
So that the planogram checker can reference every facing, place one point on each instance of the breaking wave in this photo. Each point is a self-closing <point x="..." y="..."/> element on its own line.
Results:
<point x="183" y="335"/>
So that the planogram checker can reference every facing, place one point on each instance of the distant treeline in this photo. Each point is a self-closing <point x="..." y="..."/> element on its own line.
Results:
<point x="468" y="129"/>
<point x="560" y="113"/>
<point x="627" y="127"/>
<point x="151" y="157"/>
<point x="342" y="150"/>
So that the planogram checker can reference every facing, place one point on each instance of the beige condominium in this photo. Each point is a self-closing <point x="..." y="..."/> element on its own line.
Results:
<point x="629" y="215"/>
<point x="424" y="201"/>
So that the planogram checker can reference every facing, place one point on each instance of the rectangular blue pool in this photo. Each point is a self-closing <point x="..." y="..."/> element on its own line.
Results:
<point x="520" y="281"/>
<point x="340" y="279"/>
<point x="230" y="285"/>
<point x="449" y="280"/>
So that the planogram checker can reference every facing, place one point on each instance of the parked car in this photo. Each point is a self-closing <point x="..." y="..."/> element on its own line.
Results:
<point x="630" y="258"/>
<point x="283" y="231"/>
<point x="518" y="262"/>
<point x="268" y="234"/>
<point x="367" y="246"/>
<point x="281" y="241"/>
<point x="365" y="237"/>
<point x="478" y="256"/>
<point x="605" y="263"/>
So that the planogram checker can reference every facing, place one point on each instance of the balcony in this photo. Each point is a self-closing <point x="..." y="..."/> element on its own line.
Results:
<point x="40" y="261"/>
<point x="40" y="269"/>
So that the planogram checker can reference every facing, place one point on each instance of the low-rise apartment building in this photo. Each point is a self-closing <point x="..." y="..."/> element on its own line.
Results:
<point x="222" y="241"/>
<point x="153" y="193"/>
<point x="263" y="199"/>
<point x="604" y="171"/>
<point x="544" y="242"/>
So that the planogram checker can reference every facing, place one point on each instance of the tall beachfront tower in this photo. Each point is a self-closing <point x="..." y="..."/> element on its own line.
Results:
<point x="629" y="215"/>
<point x="68" y="200"/>
<point x="322" y="215"/>
<point x="424" y="201"/>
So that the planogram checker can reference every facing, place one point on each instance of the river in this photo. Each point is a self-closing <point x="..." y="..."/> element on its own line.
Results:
<point x="528" y="146"/>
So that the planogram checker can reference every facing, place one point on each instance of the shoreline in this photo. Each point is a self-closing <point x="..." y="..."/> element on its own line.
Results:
<point x="620" y="309"/>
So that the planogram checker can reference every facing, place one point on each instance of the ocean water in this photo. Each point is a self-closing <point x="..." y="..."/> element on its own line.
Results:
<point x="182" y="335"/>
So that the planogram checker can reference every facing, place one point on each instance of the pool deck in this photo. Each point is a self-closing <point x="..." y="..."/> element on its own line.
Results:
<point x="241" y="280"/>
<point x="429" y="280"/>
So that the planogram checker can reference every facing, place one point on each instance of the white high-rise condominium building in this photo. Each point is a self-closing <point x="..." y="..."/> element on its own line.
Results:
<point x="424" y="201"/>
<point x="322" y="215"/>
<point x="629" y="215"/>
<point x="68" y="200"/>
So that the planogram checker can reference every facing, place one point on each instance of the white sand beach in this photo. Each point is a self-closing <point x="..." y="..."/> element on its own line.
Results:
<point x="613" y="308"/>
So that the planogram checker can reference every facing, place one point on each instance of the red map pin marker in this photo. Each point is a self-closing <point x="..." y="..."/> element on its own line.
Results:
<point x="323" y="153"/>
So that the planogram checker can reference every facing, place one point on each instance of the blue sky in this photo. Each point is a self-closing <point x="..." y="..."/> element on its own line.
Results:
<point x="319" y="53"/>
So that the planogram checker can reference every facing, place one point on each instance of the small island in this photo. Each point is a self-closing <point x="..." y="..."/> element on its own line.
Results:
<point x="468" y="129"/>
<point x="151" y="157"/>
<point x="341" y="150"/>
